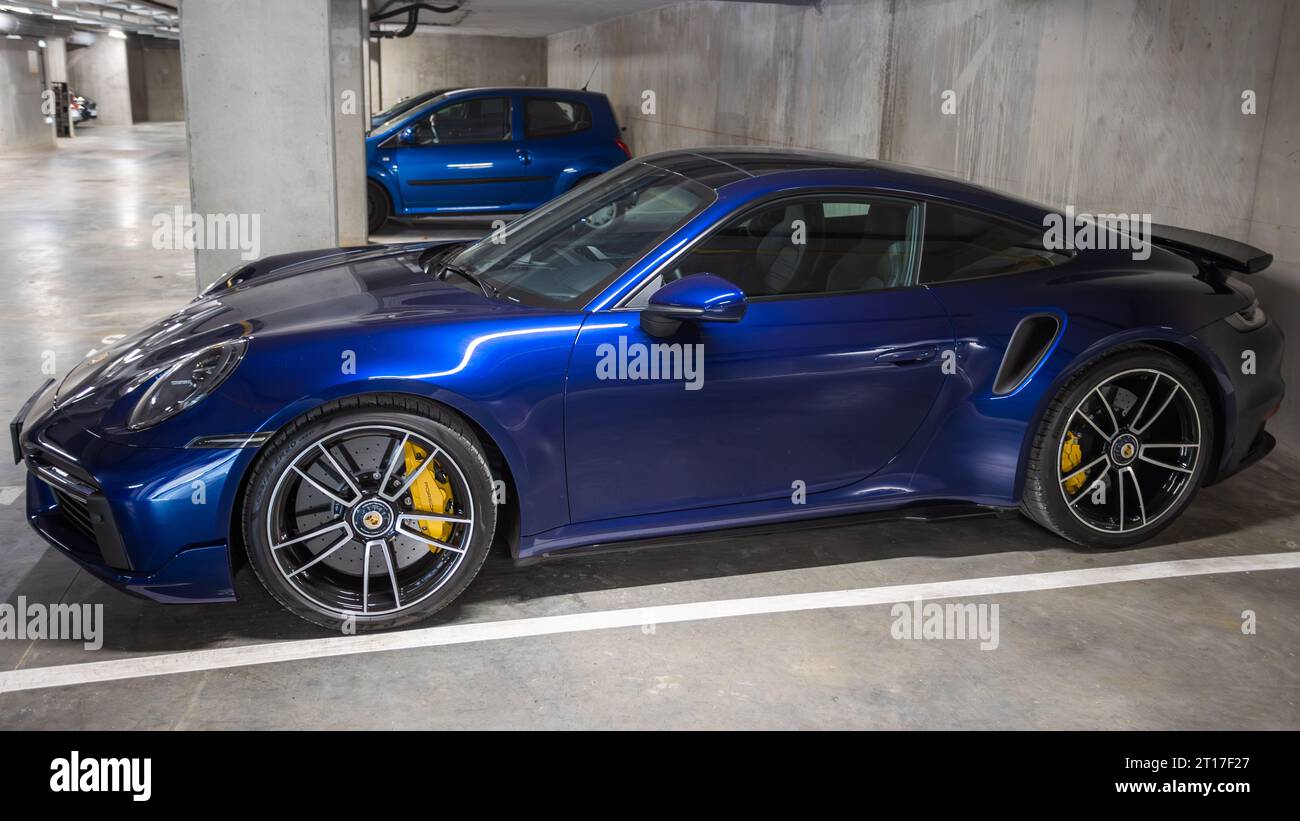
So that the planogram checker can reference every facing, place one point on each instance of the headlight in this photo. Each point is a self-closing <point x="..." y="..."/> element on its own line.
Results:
<point x="185" y="382"/>
<point x="1248" y="319"/>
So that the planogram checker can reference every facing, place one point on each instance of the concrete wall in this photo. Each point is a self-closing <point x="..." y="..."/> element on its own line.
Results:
<point x="22" y="125"/>
<point x="1275" y="217"/>
<point x="155" y="72"/>
<point x="735" y="73"/>
<point x="99" y="72"/>
<point x="1107" y="105"/>
<point x="401" y="67"/>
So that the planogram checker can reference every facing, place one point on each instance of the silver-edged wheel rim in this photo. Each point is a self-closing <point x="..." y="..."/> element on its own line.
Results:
<point x="355" y="526"/>
<point x="1129" y="451"/>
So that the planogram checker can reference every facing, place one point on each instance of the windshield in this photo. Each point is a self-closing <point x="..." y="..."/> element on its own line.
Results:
<point x="564" y="253"/>
<point x="402" y="107"/>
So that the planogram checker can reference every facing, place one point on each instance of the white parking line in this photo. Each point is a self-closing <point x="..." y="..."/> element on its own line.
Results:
<point x="225" y="657"/>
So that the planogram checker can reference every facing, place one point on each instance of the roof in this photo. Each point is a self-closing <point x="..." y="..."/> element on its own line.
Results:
<point x="577" y="92"/>
<point x="720" y="166"/>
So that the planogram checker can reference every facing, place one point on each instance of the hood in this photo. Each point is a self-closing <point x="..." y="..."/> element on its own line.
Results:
<point x="302" y="294"/>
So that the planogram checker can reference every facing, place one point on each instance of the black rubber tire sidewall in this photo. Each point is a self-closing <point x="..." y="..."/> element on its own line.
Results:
<point x="378" y="210"/>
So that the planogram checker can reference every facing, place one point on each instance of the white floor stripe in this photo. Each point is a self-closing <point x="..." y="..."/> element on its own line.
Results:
<point x="225" y="657"/>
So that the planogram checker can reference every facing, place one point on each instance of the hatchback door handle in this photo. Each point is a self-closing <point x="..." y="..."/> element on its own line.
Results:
<point x="525" y="157"/>
<point x="907" y="355"/>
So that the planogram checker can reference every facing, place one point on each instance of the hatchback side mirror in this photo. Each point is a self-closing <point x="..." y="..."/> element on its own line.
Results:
<point x="696" y="298"/>
<point x="406" y="136"/>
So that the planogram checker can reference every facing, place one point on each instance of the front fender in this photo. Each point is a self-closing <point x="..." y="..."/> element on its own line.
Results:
<point x="504" y="375"/>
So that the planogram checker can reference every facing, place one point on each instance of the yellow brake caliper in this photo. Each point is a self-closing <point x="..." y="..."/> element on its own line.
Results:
<point x="429" y="494"/>
<point x="1071" y="456"/>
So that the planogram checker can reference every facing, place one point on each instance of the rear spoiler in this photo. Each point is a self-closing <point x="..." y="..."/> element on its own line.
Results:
<point x="1220" y="251"/>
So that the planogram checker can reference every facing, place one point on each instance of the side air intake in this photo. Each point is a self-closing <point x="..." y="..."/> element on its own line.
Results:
<point x="1030" y="342"/>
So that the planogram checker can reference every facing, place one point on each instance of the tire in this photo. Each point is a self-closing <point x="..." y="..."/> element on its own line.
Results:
<point x="378" y="208"/>
<point x="398" y="573"/>
<point x="1121" y="499"/>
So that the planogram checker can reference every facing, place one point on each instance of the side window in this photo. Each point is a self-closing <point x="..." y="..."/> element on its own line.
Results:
<point x="482" y="120"/>
<point x="962" y="244"/>
<point x="809" y="246"/>
<point x="554" y="118"/>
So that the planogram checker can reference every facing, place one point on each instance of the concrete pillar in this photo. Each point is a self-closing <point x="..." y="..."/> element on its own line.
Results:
<point x="275" y="112"/>
<point x="99" y="72"/>
<point x="22" y="123"/>
<point x="56" y="60"/>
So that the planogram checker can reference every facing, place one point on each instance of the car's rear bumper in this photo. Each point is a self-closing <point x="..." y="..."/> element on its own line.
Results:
<point x="150" y="521"/>
<point x="1250" y="382"/>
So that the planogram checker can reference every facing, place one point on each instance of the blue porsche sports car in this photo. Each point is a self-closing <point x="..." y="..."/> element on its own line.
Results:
<point x="476" y="151"/>
<point x="698" y="340"/>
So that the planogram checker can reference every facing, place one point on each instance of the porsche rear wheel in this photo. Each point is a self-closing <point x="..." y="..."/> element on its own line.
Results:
<point x="370" y="514"/>
<point x="1121" y="451"/>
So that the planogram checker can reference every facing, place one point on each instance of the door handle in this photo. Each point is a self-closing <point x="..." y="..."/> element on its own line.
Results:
<point x="524" y="156"/>
<point x="907" y="356"/>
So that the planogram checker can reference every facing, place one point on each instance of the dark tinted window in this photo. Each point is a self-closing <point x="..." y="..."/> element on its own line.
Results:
<point x="961" y="244"/>
<point x="486" y="119"/>
<point x="809" y="246"/>
<point x="552" y="118"/>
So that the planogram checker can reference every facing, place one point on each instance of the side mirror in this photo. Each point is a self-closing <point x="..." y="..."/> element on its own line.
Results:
<point x="696" y="298"/>
<point x="406" y="136"/>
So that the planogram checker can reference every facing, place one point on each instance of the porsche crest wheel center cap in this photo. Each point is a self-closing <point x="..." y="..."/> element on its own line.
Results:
<point x="1124" y="449"/>
<point x="373" y="517"/>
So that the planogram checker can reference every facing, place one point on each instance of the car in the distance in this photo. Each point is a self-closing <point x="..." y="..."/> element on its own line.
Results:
<point x="81" y="109"/>
<point x="483" y="151"/>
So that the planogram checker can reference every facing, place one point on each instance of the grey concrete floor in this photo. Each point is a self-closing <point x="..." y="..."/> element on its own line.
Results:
<point x="78" y="267"/>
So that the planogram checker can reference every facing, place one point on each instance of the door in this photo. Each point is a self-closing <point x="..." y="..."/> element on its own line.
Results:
<point x="462" y="157"/>
<point x="832" y="370"/>
<point x="557" y="134"/>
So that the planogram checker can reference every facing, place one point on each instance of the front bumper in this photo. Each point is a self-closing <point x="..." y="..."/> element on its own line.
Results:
<point x="154" y="522"/>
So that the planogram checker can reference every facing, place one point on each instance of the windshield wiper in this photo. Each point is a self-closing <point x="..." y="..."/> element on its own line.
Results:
<point x="489" y="290"/>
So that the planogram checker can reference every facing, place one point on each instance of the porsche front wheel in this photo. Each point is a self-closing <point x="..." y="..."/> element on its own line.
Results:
<point x="1121" y="451"/>
<point x="370" y="514"/>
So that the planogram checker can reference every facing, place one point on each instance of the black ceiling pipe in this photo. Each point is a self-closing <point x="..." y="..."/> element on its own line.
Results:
<point x="412" y="12"/>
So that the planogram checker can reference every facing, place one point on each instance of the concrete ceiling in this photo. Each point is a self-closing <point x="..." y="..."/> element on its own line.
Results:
<point x="517" y="18"/>
<point x="61" y="19"/>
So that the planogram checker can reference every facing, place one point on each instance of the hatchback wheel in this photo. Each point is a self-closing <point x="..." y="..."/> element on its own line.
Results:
<point x="378" y="209"/>
<point x="370" y="514"/>
<point x="1121" y="451"/>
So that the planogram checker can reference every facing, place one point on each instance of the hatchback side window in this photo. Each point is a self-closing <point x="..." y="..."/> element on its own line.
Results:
<point x="837" y="244"/>
<point x="962" y="244"/>
<point x="482" y="120"/>
<point x="554" y="118"/>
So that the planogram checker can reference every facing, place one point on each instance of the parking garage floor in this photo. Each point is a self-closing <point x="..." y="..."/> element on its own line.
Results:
<point x="1145" y="638"/>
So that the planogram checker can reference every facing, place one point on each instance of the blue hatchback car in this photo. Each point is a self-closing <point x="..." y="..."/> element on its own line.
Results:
<point x="699" y="340"/>
<point x="488" y="150"/>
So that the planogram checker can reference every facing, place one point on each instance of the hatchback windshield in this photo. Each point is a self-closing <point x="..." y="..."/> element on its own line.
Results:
<point x="401" y="108"/>
<point x="565" y="252"/>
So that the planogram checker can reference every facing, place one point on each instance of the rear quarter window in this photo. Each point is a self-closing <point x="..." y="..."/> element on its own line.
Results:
<point x="545" y="117"/>
<point x="963" y="244"/>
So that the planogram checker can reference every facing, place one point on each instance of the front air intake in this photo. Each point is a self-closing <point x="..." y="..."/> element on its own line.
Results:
<point x="1029" y="343"/>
